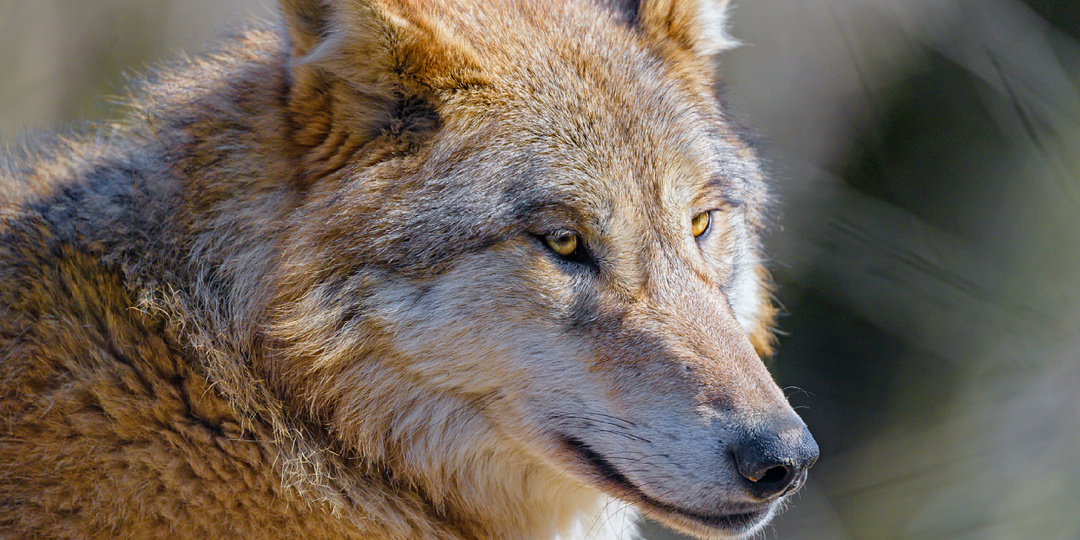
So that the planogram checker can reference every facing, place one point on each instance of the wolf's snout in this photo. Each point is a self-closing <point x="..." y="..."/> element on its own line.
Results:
<point x="775" y="461"/>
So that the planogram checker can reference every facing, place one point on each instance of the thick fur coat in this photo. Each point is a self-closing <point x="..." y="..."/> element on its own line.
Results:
<point x="319" y="285"/>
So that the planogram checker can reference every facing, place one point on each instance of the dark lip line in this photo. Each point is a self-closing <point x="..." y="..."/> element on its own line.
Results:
<point x="615" y="479"/>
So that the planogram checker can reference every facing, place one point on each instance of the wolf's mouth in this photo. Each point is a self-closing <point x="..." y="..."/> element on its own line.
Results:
<point x="740" y="520"/>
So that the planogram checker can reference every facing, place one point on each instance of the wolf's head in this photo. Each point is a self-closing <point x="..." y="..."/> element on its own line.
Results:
<point x="526" y="265"/>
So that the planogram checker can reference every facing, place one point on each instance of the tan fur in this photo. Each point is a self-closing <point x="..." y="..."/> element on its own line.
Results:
<point x="303" y="293"/>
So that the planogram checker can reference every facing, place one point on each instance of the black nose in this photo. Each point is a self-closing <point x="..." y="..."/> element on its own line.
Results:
<point x="774" y="461"/>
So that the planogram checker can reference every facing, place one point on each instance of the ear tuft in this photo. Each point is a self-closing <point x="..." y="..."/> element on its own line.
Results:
<point x="697" y="25"/>
<point x="713" y="16"/>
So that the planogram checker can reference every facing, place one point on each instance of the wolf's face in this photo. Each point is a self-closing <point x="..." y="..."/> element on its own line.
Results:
<point x="566" y="248"/>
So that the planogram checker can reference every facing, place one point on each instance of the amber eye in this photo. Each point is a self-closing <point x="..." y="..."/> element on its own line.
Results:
<point x="564" y="243"/>
<point x="700" y="224"/>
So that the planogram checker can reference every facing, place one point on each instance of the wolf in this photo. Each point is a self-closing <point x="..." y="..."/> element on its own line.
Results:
<point x="388" y="269"/>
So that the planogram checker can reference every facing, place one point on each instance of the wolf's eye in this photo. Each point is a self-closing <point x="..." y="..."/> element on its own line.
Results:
<point x="700" y="223"/>
<point x="563" y="243"/>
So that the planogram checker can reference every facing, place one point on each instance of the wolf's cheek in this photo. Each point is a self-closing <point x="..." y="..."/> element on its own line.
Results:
<point x="489" y="323"/>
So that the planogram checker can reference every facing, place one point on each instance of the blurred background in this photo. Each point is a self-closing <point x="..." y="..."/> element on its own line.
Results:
<point x="926" y="163"/>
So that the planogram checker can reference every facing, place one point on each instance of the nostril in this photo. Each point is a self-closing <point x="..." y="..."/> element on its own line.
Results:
<point x="774" y="475"/>
<point x="769" y="480"/>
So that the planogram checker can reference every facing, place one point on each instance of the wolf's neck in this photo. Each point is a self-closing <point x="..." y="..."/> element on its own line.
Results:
<point x="447" y="451"/>
<point x="615" y="521"/>
<point x="564" y="513"/>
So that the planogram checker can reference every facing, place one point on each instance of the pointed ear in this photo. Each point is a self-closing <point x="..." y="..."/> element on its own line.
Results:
<point x="699" y="26"/>
<point x="362" y="40"/>
<point x="362" y="69"/>
<point x="307" y="22"/>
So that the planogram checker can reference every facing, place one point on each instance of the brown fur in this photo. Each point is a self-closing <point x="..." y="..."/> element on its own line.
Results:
<point x="210" y="316"/>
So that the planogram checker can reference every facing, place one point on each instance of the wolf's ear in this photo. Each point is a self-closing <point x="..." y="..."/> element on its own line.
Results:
<point x="361" y="69"/>
<point x="699" y="26"/>
<point x="307" y="22"/>
<point x="369" y="40"/>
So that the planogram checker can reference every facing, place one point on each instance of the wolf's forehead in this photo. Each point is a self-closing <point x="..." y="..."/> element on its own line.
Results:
<point x="591" y="111"/>
<point x="582" y="66"/>
<point x="588" y="139"/>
